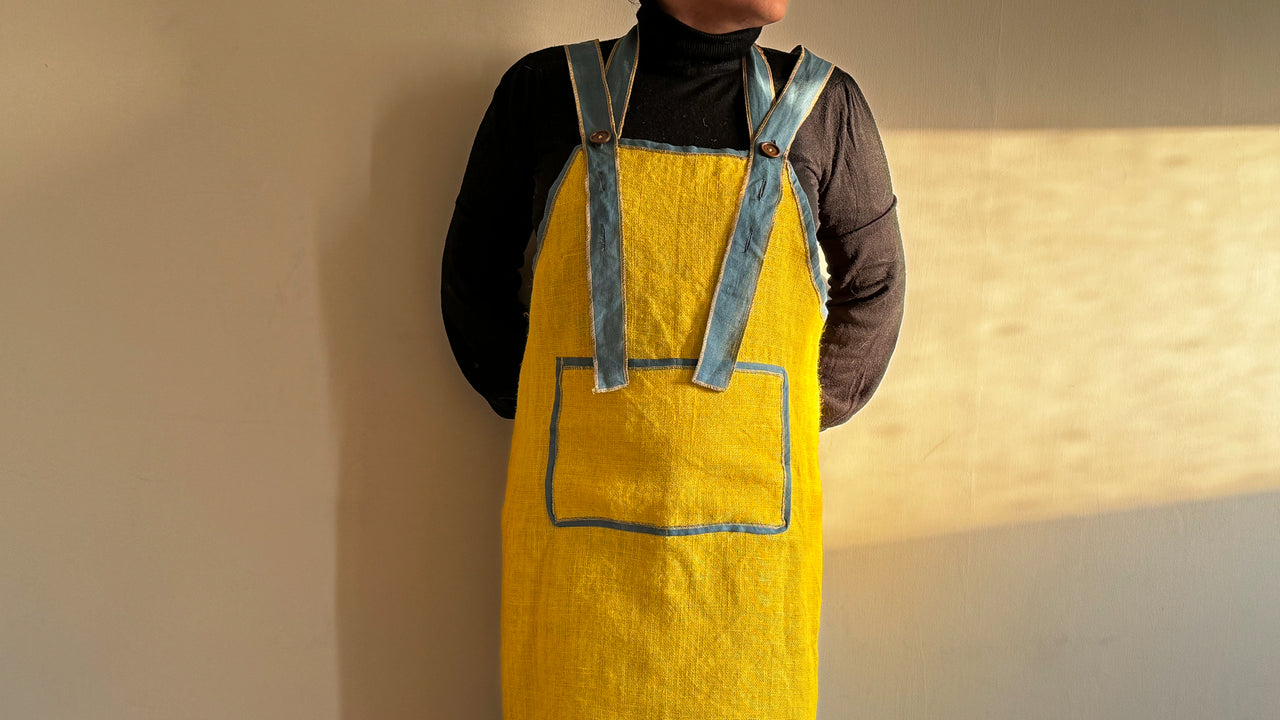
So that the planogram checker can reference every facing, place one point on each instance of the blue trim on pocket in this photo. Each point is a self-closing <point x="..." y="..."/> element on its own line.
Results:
<point x="604" y="222"/>
<point x="671" y="530"/>
<point x="811" y="239"/>
<point x="758" y="204"/>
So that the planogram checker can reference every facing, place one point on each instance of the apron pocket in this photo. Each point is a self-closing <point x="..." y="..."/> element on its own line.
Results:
<point x="665" y="456"/>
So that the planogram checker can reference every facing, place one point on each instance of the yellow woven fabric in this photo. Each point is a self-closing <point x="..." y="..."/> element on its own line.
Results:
<point x="693" y="462"/>
<point x="608" y="624"/>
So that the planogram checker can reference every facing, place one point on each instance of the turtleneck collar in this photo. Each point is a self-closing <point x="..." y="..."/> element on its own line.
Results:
<point x="666" y="43"/>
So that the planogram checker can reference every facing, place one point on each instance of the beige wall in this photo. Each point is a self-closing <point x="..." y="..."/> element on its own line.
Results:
<point x="241" y="476"/>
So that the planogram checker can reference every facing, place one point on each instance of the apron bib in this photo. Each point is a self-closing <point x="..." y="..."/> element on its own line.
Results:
<point x="662" y="523"/>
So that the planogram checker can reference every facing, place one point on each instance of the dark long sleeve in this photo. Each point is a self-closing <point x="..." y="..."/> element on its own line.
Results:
<point x="862" y="243"/>
<point x="484" y="317"/>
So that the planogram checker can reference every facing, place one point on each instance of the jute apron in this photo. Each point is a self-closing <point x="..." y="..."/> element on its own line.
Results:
<point x="662" y="524"/>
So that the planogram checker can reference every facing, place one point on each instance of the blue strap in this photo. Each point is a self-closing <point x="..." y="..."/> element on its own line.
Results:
<point x="604" y="221"/>
<point x="757" y="82"/>
<point x="758" y="204"/>
<point x="621" y="71"/>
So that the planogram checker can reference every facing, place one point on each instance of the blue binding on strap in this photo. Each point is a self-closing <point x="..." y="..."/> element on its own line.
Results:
<point x="620" y="70"/>
<point x="757" y="81"/>
<point x="758" y="203"/>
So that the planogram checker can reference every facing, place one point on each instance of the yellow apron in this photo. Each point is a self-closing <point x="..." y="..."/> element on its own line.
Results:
<point x="662" y="524"/>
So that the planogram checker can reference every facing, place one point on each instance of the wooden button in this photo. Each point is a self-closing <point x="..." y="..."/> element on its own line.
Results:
<point x="600" y="137"/>
<point x="770" y="149"/>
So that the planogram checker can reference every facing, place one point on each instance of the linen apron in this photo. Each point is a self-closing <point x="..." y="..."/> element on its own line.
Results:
<point x="662" y="522"/>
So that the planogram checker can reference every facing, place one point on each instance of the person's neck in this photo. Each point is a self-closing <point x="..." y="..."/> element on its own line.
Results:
<point x="700" y="16"/>
<point x="666" y="42"/>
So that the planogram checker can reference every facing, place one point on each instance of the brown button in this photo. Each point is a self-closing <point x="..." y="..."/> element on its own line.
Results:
<point x="770" y="149"/>
<point x="600" y="137"/>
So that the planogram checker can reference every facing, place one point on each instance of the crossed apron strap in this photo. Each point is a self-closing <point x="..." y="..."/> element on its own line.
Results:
<point x="758" y="204"/>
<point x="601" y="91"/>
<point x="601" y="106"/>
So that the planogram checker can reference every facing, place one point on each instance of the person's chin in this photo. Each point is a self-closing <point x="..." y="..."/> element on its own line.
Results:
<point x="774" y="14"/>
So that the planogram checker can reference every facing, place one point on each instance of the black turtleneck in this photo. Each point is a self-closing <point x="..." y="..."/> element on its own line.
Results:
<point x="672" y="47"/>
<point x="687" y="90"/>
<point x="688" y="83"/>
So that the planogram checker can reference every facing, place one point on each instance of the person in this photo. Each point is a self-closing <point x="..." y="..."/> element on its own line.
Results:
<point x="680" y="352"/>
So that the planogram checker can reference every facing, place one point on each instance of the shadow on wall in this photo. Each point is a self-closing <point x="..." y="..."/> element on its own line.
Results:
<point x="423" y="458"/>
<point x="1163" y="612"/>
